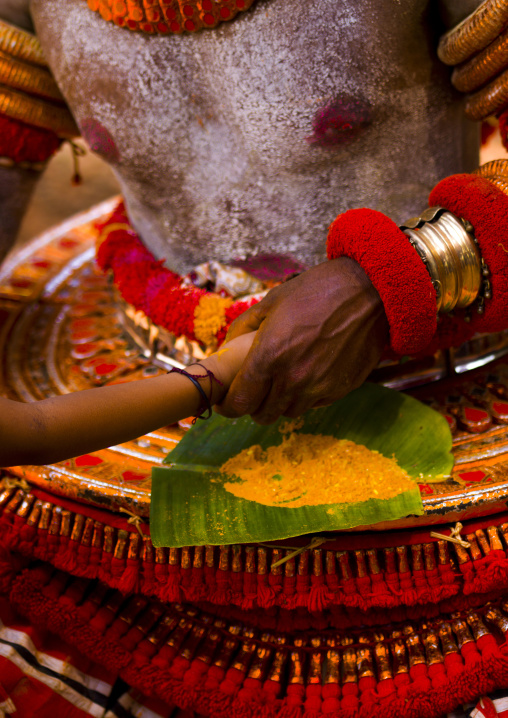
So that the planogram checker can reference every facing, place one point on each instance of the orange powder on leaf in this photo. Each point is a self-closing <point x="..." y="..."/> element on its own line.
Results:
<point x="308" y="469"/>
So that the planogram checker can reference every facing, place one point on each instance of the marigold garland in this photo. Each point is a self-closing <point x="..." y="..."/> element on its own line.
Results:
<point x="150" y="287"/>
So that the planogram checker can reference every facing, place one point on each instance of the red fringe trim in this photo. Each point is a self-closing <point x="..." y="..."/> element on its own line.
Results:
<point x="427" y="692"/>
<point x="380" y="597"/>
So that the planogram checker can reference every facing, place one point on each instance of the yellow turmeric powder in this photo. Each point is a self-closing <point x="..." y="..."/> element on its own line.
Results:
<point x="308" y="469"/>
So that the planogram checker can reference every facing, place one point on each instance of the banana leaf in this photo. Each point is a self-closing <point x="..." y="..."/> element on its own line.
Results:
<point x="190" y="506"/>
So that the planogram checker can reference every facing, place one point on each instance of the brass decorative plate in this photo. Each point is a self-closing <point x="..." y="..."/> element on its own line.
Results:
<point x="63" y="328"/>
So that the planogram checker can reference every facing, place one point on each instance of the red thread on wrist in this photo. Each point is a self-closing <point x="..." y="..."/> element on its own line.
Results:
<point x="395" y="270"/>
<point x="23" y="143"/>
<point x="486" y="207"/>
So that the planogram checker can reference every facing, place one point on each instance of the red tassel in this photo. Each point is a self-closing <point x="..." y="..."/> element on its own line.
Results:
<point x="470" y="655"/>
<point x="148" y="579"/>
<point x="349" y="697"/>
<point x="129" y="581"/>
<point x="453" y="665"/>
<point x="82" y="560"/>
<point x="367" y="686"/>
<point x="250" y="591"/>
<point x="12" y="530"/>
<point x="318" y="598"/>
<point x="401" y="683"/>
<point x="117" y="567"/>
<point x="295" y="694"/>
<point x="164" y="657"/>
<point x="196" y="672"/>
<point x="105" y="567"/>
<point x="94" y="561"/>
<point x="68" y="560"/>
<point x="41" y="547"/>
<point x="437" y="675"/>
<point x="172" y="591"/>
<point x="222" y="594"/>
<point x="232" y="681"/>
<point x="386" y="689"/>
<point x="26" y="542"/>
<point x="331" y="698"/>
<point x="179" y="667"/>
<point x="312" y="705"/>
<point x="214" y="678"/>
<point x="265" y="593"/>
<point x="419" y="677"/>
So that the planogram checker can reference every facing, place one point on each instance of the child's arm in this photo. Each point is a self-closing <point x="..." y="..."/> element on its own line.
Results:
<point x="51" y="430"/>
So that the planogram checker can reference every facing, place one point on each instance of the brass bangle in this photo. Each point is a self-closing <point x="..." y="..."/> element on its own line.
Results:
<point x="20" y="44"/>
<point x="473" y="74"/>
<point x="451" y="255"/>
<point x="495" y="172"/>
<point x="495" y="168"/>
<point x="474" y="33"/>
<point x="38" y="113"/>
<point x="30" y="79"/>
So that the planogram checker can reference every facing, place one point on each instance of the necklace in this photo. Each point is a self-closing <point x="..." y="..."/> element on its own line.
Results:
<point x="168" y="16"/>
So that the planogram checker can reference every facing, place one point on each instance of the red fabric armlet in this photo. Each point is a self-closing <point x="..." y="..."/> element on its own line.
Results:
<point x="24" y="143"/>
<point x="486" y="207"/>
<point x="396" y="271"/>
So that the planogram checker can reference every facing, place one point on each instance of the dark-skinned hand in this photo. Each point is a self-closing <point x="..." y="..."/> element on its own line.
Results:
<point x="319" y="336"/>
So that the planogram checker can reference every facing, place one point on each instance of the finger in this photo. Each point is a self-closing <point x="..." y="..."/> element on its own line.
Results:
<point x="245" y="395"/>
<point x="274" y="405"/>
<point x="249" y="321"/>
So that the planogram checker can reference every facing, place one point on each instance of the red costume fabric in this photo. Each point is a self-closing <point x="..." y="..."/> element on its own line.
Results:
<point x="395" y="269"/>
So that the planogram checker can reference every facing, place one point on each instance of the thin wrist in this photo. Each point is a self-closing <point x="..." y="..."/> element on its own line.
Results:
<point x="209" y="379"/>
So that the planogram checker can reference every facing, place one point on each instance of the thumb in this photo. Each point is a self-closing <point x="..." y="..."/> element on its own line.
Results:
<point x="249" y="321"/>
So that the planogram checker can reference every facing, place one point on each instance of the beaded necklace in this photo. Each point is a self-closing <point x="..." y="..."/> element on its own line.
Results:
<point x="168" y="16"/>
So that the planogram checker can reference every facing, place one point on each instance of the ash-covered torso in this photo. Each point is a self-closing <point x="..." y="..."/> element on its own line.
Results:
<point x="252" y="137"/>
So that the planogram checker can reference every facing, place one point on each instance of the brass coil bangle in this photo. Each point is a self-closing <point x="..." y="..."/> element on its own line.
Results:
<point x="20" y="44"/>
<point x="451" y="255"/>
<point x="38" y="113"/>
<point x="474" y="33"/>
<point x="475" y="73"/>
<point x="28" y="78"/>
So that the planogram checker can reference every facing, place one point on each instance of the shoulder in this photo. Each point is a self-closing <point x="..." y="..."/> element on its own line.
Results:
<point x="16" y="12"/>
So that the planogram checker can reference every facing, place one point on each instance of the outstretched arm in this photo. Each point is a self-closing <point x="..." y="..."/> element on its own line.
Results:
<point x="61" y="427"/>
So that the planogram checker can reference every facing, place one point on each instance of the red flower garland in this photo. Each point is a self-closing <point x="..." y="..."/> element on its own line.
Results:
<point x="149" y="286"/>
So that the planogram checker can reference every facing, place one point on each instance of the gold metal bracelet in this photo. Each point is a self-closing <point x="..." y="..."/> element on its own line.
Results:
<point x="451" y="254"/>
<point x="38" y="113"/>
<point x="489" y="99"/>
<point x="476" y="72"/>
<point x="21" y="44"/>
<point x="496" y="172"/>
<point x="474" y="33"/>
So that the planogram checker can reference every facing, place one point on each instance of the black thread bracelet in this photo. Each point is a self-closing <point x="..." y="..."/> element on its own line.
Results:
<point x="205" y="401"/>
